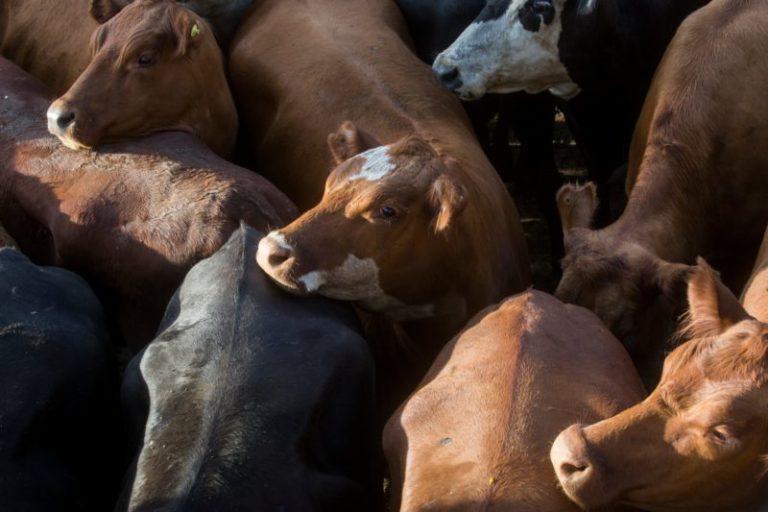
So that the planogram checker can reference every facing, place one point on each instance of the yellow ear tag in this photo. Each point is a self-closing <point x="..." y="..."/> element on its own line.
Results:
<point x="195" y="31"/>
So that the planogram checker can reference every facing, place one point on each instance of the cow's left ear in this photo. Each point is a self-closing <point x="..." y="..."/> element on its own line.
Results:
<point x="189" y="29"/>
<point x="349" y="140"/>
<point x="103" y="10"/>
<point x="447" y="198"/>
<point x="712" y="306"/>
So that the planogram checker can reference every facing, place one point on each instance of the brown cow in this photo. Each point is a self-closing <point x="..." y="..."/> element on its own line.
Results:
<point x="47" y="39"/>
<point x="133" y="218"/>
<point x="156" y="66"/>
<point x="414" y="224"/>
<point x="697" y="178"/>
<point x="699" y="441"/>
<point x="476" y="434"/>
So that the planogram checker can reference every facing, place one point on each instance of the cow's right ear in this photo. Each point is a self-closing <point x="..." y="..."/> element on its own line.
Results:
<point x="349" y="141"/>
<point x="104" y="10"/>
<point x="712" y="307"/>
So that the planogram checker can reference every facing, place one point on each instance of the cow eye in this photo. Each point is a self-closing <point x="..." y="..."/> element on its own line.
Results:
<point x="387" y="212"/>
<point x="146" y="59"/>
<point x="722" y="434"/>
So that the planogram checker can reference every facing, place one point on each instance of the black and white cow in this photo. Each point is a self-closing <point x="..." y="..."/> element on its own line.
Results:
<point x="250" y="399"/>
<point x="58" y="428"/>
<point x="434" y="25"/>
<point x="597" y="55"/>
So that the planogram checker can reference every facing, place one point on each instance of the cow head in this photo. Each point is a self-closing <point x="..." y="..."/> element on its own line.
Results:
<point x="385" y="234"/>
<point x="699" y="441"/>
<point x="511" y="46"/>
<point x="155" y="67"/>
<point x="627" y="286"/>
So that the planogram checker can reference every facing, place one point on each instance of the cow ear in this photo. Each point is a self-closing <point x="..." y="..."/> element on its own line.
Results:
<point x="447" y="199"/>
<point x="712" y="306"/>
<point x="189" y="29"/>
<point x="577" y="205"/>
<point x="349" y="141"/>
<point x="669" y="277"/>
<point x="103" y="10"/>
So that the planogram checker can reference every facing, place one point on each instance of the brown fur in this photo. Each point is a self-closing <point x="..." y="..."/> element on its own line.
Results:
<point x="698" y="442"/>
<point x="697" y="179"/>
<point x="755" y="296"/>
<point x="476" y="434"/>
<point x="184" y="88"/>
<point x="131" y="218"/>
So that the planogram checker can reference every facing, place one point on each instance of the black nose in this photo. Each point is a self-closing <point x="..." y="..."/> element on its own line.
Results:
<point x="65" y="119"/>
<point x="449" y="78"/>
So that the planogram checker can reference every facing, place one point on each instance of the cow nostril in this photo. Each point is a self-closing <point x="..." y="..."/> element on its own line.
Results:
<point x="449" y="75"/>
<point x="278" y="255"/>
<point x="65" y="119"/>
<point x="569" y="469"/>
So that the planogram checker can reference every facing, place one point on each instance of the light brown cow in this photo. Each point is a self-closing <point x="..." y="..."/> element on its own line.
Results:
<point x="133" y="218"/>
<point x="156" y="67"/>
<point x="476" y="434"/>
<point x="699" y="442"/>
<point x="697" y="179"/>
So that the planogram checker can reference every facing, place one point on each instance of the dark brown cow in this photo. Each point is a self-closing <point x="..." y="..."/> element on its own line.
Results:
<point x="47" y="39"/>
<point x="476" y="434"/>
<point x="697" y="179"/>
<point x="133" y="218"/>
<point x="699" y="442"/>
<point x="156" y="66"/>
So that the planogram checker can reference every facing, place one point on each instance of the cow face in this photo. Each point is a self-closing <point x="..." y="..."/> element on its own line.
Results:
<point x="632" y="290"/>
<point x="699" y="441"/>
<point x="155" y="67"/>
<point x="511" y="46"/>
<point x="384" y="234"/>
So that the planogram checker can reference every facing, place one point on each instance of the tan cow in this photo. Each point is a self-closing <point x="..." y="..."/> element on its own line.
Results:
<point x="133" y="218"/>
<point x="698" y="179"/>
<point x="699" y="442"/>
<point x="156" y="67"/>
<point x="414" y="224"/>
<point x="476" y="434"/>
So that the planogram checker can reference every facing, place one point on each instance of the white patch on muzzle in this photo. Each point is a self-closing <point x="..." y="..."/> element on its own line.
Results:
<point x="501" y="56"/>
<point x="377" y="164"/>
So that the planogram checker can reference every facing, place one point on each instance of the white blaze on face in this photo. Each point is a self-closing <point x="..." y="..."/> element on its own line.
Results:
<point x="501" y="56"/>
<point x="376" y="164"/>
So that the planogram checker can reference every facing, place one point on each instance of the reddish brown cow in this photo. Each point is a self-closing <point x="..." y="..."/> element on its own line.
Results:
<point x="414" y="224"/>
<point x="156" y="66"/>
<point x="699" y="442"/>
<point x="476" y="434"/>
<point x="47" y="39"/>
<point x="132" y="218"/>
<point x="697" y="179"/>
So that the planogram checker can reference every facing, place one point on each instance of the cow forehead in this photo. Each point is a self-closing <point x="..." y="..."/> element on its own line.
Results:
<point x="374" y="165"/>
<point x="494" y="10"/>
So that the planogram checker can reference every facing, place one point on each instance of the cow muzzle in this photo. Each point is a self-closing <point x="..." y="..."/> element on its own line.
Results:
<point x="579" y="474"/>
<point x="277" y="258"/>
<point x="62" y="123"/>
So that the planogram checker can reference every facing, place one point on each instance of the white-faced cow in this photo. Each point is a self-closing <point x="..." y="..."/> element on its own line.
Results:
<point x="598" y="54"/>
<point x="251" y="399"/>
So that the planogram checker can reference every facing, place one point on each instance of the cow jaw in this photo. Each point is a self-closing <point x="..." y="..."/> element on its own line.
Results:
<point x="503" y="55"/>
<point x="356" y="280"/>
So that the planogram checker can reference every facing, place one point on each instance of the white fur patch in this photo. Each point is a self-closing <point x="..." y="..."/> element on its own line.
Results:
<point x="376" y="165"/>
<point x="312" y="281"/>
<point x="280" y="240"/>
<point x="501" y="56"/>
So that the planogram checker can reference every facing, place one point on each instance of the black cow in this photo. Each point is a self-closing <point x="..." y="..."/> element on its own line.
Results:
<point x="57" y="429"/>
<point x="597" y="55"/>
<point x="250" y="399"/>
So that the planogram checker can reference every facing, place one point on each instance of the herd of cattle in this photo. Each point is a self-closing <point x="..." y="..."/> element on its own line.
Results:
<point x="190" y="183"/>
